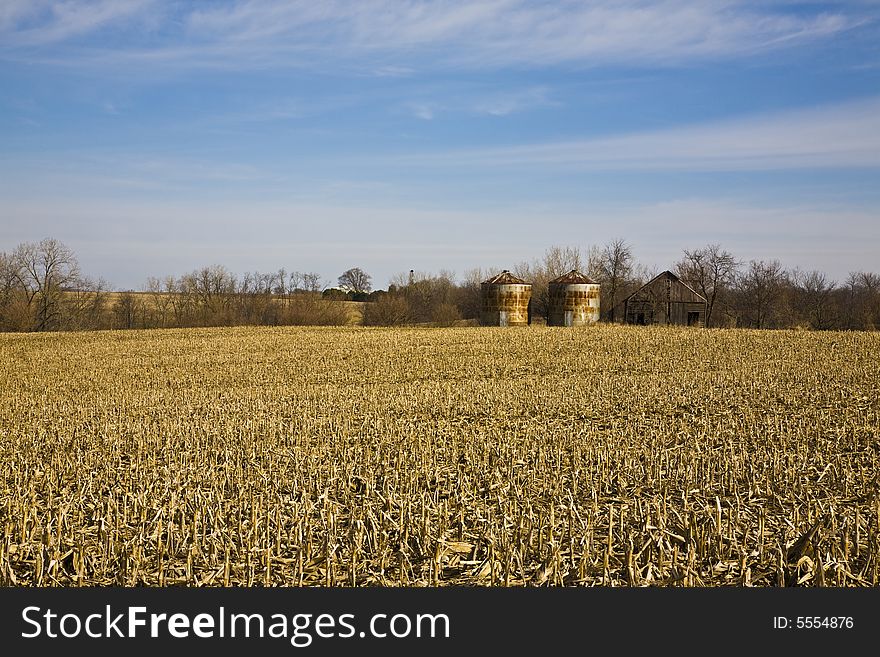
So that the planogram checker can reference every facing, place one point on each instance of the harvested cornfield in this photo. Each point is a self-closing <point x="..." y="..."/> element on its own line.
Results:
<point x="608" y="455"/>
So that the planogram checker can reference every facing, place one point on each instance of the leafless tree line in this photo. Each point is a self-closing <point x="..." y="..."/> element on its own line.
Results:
<point x="757" y="294"/>
<point x="763" y="294"/>
<point x="43" y="289"/>
<point x="421" y="297"/>
<point x="213" y="296"/>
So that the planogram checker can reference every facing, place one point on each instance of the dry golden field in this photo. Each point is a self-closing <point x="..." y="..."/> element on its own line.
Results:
<point x="619" y="456"/>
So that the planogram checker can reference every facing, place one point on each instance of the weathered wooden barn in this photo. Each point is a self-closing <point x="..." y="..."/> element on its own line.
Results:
<point x="666" y="299"/>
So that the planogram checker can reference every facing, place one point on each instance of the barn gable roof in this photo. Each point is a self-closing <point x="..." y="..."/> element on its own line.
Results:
<point x="682" y="293"/>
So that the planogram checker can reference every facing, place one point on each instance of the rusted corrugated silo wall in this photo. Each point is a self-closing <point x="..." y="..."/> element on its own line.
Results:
<point x="505" y="304"/>
<point x="573" y="304"/>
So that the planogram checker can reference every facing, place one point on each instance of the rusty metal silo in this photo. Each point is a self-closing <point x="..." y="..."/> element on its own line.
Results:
<point x="574" y="300"/>
<point x="505" y="301"/>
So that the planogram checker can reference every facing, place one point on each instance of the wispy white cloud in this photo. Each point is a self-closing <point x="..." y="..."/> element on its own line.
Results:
<point x="472" y="33"/>
<point x="29" y="23"/>
<point x="844" y="135"/>
<point x="114" y="173"/>
<point x="513" y="102"/>
<point x="424" y="111"/>
<point x="284" y="109"/>
<point x="469" y="101"/>
<point x="15" y="12"/>
<point x="475" y="99"/>
<point x="393" y="71"/>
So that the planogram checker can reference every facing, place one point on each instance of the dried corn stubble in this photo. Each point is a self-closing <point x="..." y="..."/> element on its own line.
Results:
<point x="609" y="455"/>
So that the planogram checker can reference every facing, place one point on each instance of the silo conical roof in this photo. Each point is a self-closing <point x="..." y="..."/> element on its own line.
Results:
<point x="574" y="277"/>
<point x="504" y="278"/>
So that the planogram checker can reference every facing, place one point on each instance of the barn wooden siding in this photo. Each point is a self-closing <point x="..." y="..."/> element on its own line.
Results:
<point x="666" y="299"/>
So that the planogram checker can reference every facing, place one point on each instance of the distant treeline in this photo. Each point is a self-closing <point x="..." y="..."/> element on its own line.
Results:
<point x="757" y="294"/>
<point x="43" y="289"/>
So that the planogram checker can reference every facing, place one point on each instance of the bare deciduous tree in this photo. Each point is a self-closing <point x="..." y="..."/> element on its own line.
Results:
<point x="870" y="285"/>
<point x="760" y="289"/>
<point x="83" y="305"/>
<point x="388" y="310"/>
<point x="862" y="303"/>
<point x="356" y="280"/>
<point x="815" y="296"/>
<point x="44" y="271"/>
<point x="468" y="292"/>
<point x="424" y="292"/>
<point x="8" y="275"/>
<point x="311" y="282"/>
<point x="14" y="315"/>
<point x="711" y="271"/>
<point x="125" y="310"/>
<point x="613" y="268"/>
<point x="163" y="298"/>
<point x="281" y="285"/>
<point x="556" y="261"/>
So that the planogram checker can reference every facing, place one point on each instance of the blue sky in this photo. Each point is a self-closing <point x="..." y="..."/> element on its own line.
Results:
<point x="154" y="137"/>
